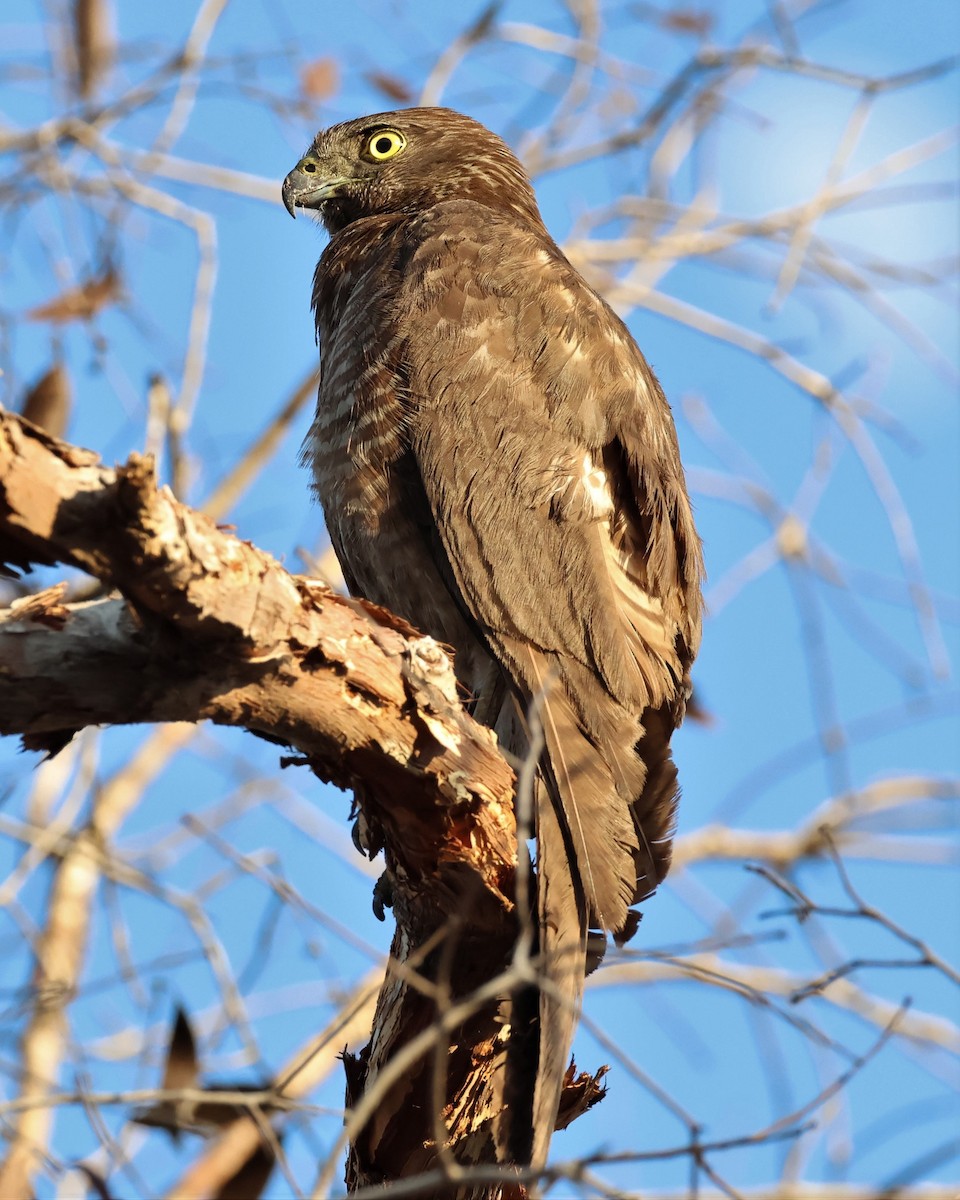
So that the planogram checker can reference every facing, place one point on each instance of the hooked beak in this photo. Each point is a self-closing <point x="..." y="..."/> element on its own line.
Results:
<point x="306" y="186"/>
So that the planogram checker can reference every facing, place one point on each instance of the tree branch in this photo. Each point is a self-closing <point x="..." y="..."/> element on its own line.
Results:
<point x="208" y="626"/>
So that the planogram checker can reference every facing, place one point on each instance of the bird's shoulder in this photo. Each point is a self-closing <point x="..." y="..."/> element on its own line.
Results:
<point x="487" y="293"/>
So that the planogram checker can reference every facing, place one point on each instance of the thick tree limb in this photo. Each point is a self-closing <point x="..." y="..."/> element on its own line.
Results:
<point x="208" y="626"/>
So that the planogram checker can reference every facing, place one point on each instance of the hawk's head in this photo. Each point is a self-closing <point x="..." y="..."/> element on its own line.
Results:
<point x="403" y="162"/>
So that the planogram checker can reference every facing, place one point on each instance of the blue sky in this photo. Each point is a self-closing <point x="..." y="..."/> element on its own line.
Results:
<point x="784" y="656"/>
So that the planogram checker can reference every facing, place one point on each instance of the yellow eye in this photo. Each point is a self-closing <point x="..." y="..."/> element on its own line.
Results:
<point x="384" y="144"/>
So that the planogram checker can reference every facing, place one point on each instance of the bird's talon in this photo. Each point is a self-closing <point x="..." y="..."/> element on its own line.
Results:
<point x="383" y="896"/>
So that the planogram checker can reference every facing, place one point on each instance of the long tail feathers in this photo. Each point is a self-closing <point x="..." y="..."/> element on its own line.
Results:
<point x="583" y="787"/>
<point x="604" y="818"/>
<point x="561" y="909"/>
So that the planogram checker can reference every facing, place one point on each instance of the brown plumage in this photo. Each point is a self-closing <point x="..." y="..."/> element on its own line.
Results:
<point x="497" y="464"/>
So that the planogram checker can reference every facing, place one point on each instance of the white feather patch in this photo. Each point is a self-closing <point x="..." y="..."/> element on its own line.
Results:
<point x="593" y="480"/>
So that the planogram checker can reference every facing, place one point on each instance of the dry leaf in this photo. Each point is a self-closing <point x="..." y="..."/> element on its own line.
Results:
<point x="47" y="403"/>
<point x="696" y="21"/>
<point x="390" y="86"/>
<point x="320" y="79"/>
<point x="181" y="1069"/>
<point x="96" y="1181"/>
<point x="250" y="1180"/>
<point x="688" y="20"/>
<point x="82" y="302"/>
<point x="483" y="25"/>
<point x="697" y="710"/>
